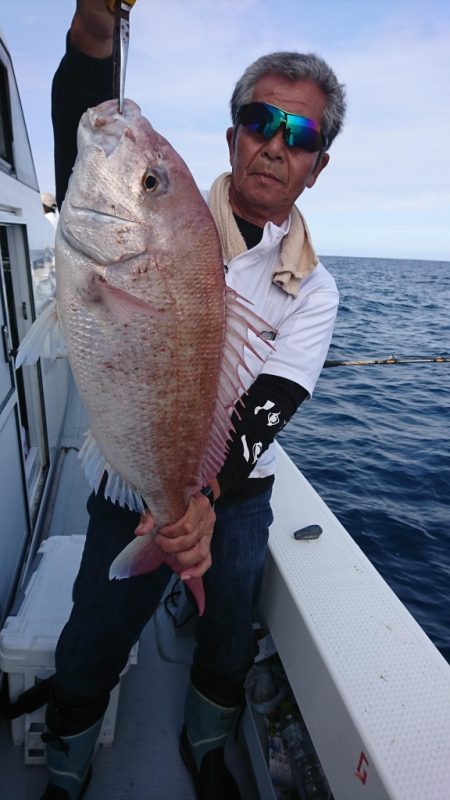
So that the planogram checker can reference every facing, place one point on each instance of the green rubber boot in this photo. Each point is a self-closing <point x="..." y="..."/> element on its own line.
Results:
<point x="72" y="731"/>
<point x="69" y="764"/>
<point x="207" y="725"/>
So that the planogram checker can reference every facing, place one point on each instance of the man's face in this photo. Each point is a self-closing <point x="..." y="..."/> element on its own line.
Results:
<point x="267" y="175"/>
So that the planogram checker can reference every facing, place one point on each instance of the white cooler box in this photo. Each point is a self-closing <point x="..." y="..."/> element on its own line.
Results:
<point x="28" y="640"/>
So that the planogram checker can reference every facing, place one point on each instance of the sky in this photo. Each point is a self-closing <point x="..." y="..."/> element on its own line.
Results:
<point x="386" y="190"/>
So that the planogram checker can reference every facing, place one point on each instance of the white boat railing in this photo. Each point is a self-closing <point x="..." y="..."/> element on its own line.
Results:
<point x="373" y="689"/>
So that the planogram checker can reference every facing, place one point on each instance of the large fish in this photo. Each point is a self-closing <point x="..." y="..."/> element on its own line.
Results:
<point x="155" y="339"/>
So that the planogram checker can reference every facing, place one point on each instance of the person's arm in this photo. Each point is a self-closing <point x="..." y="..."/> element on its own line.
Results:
<point x="267" y="407"/>
<point x="92" y="28"/>
<point x="287" y="377"/>
<point x="82" y="80"/>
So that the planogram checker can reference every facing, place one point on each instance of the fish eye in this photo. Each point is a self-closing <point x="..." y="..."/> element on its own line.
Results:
<point x="150" y="181"/>
<point x="155" y="180"/>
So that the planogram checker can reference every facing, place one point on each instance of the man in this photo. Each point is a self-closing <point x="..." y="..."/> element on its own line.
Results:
<point x="50" y="209"/>
<point x="286" y="110"/>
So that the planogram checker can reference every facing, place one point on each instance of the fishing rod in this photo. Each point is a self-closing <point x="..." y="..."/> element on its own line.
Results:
<point x="363" y="362"/>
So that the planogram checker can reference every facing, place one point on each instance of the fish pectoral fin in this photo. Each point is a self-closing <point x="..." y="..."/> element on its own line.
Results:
<point x="123" y="306"/>
<point x="44" y="339"/>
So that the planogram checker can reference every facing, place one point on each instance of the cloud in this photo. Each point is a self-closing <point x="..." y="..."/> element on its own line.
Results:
<point x="392" y="161"/>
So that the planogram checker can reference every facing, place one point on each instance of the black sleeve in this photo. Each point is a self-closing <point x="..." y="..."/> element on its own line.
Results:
<point x="80" y="82"/>
<point x="268" y="406"/>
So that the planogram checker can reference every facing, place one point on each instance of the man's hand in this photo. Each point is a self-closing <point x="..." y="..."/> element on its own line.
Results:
<point x="189" y="538"/>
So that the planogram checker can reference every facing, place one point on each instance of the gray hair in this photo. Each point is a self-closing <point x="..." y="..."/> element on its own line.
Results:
<point x="296" y="67"/>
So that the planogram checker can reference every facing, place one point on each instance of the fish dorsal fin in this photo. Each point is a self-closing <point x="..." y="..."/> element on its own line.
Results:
<point x="117" y="489"/>
<point x="239" y="321"/>
<point x="44" y="339"/>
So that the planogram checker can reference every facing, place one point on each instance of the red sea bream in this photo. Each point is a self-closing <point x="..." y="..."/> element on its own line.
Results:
<point x="153" y="335"/>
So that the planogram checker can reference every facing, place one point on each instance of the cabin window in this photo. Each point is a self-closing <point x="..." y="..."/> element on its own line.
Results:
<point x="14" y="335"/>
<point x="29" y="398"/>
<point x="6" y="150"/>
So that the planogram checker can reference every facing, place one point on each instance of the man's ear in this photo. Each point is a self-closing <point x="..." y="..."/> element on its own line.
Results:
<point x="230" y="141"/>
<point x="320" y="164"/>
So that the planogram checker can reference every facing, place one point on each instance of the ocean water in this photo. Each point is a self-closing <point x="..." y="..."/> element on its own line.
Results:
<point x="375" y="440"/>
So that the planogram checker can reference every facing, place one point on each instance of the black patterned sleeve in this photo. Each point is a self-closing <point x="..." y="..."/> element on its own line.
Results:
<point x="269" y="404"/>
<point x="80" y="82"/>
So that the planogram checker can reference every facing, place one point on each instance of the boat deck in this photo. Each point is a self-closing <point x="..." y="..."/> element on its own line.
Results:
<point x="143" y="761"/>
<point x="373" y="690"/>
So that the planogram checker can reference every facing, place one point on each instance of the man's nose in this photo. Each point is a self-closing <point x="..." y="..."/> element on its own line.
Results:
<point x="275" y="147"/>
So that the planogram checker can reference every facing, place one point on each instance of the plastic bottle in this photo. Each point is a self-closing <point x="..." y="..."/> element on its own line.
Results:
<point x="306" y="770"/>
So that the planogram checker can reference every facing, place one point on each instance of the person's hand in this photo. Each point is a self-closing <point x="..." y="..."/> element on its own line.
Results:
<point x="188" y="539"/>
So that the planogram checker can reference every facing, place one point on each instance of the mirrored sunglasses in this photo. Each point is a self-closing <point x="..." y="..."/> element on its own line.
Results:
<point x="266" y="119"/>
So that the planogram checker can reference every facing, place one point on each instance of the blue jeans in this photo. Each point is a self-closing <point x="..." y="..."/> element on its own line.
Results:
<point x="108" y="616"/>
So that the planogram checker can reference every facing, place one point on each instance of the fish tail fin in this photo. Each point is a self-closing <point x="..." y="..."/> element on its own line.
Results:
<point x="195" y="586"/>
<point x="44" y="339"/>
<point x="143" y="555"/>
